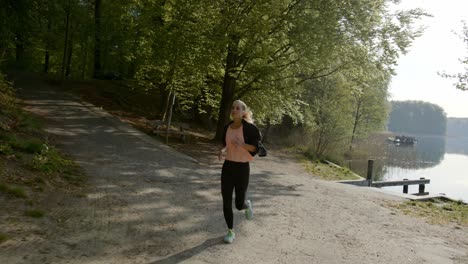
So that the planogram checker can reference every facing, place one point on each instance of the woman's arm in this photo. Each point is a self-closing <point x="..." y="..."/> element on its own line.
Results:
<point x="250" y="148"/>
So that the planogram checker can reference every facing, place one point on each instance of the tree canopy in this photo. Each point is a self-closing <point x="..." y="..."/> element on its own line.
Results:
<point x="292" y="58"/>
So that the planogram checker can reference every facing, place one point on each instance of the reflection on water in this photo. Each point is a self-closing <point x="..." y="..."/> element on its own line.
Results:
<point x="427" y="152"/>
<point x="457" y="145"/>
<point x="430" y="157"/>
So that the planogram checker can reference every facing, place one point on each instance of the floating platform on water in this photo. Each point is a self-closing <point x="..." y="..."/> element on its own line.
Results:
<point x="403" y="140"/>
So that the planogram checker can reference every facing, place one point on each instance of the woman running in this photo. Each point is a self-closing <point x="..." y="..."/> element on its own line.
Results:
<point x="240" y="141"/>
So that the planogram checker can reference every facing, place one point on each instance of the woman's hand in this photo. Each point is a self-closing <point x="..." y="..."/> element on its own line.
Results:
<point x="221" y="154"/>
<point x="240" y="143"/>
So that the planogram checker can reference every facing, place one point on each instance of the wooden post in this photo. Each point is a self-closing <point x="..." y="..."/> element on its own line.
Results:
<point x="170" y="117"/>
<point x="370" y="169"/>
<point x="405" y="187"/>
<point x="422" y="186"/>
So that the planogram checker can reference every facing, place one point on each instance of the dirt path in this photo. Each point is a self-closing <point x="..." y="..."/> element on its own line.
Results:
<point x="150" y="204"/>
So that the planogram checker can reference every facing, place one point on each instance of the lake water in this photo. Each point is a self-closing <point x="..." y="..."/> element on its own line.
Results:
<point x="443" y="160"/>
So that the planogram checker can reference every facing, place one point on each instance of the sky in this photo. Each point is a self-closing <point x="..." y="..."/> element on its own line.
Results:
<point x="437" y="50"/>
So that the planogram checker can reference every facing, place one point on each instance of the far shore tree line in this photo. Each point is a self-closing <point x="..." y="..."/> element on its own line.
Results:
<point x="323" y="65"/>
<point x="417" y="117"/>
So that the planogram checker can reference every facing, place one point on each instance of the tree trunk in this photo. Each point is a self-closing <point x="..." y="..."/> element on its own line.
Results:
<point x="84" y="51"/>
<point x="169" y="118"/>
<point x="65" y="43"/>
<point x="165" y="104"/>
<point x="20" y="26"/>
<point x="97" y="39"/>
<point x="20" y="50"/>
<point x="267" y="130"/>
<point x="229" y="86"/>
<point x="47" y="51"/>
<point x="46" y="60"/>
<point x="70" y="53"/>
<point x="356" y="122"/>
<point x="133" y="64"/>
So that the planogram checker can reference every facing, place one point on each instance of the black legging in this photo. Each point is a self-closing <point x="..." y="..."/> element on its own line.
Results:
<point x="234" y="175"/>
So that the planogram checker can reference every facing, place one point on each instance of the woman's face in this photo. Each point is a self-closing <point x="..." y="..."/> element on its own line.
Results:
<point x="237" y="111"/>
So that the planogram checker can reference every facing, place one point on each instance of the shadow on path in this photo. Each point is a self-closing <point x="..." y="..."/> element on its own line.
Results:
<point x="189" y="253"/>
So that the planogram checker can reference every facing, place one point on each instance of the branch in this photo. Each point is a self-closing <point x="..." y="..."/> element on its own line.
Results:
<point x="285" y="66"/>
<point x="315" y="75"/>
<point x="246" y="91"/>
<point x="244" y="64"/>
<point x="282" y="49"/>
<point x="243" y="89"/>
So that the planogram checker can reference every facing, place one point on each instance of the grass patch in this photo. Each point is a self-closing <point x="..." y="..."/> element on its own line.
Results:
<point x="50" y="160"/>
<point x="34" y="213"/>
<point x="13" y="191"/>
<point x="3" y="238"/>
<point x="437" y="211"/>
<point x="326" y="171"/>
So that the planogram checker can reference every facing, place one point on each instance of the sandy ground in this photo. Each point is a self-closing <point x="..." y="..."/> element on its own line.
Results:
<point x="147" y="203"/>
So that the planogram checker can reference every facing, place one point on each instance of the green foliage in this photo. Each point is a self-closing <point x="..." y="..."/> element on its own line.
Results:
<point x="328" y="115"/>
<point x="7" y="99"/>
<point x="417" y="117"/>
<point x="6" y="149"/>
<point x="209" y="53"/>
<point x="179" y="59"/>
<point x="461" y="77"/>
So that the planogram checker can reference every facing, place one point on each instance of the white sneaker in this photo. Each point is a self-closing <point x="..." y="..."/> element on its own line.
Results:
<point x="229" y="237"/>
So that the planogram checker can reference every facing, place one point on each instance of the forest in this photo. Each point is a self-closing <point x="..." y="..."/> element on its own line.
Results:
<point x="417" y="117"/>
<point x="323" y="65"/>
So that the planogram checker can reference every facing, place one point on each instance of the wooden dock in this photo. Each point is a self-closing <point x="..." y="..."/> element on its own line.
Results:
<point x="379" y="184"/>
<point x="405" y="182"/>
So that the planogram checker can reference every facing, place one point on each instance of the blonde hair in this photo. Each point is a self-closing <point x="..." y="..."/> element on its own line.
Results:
<point x="247" y="116"/>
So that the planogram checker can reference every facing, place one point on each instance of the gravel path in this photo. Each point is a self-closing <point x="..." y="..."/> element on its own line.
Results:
<point x="147" y="203"/>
